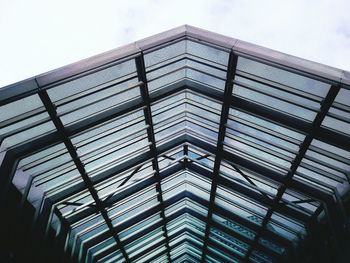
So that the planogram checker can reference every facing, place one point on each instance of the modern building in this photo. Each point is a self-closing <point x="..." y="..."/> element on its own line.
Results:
<point x="187" y="146"/>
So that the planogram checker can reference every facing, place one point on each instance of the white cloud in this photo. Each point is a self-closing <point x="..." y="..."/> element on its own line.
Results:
<point x="38" y="35"/>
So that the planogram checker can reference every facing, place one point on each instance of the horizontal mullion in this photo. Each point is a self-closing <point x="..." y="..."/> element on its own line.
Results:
<point x="98" y="88"/>
<point x="266" y="141"/>
<point x="56" y="168"/>
<point x="340" y="106"/>
<point x="291" y="101"/>
<point x="25" y="128"/>
<point x="299" y="125"/>
<point x="192" y="103"/>
<point x="259" y="147"/>
<point x="255" y="157"/>
<point x="56" y="154"/>
<point x="245" y="239"/>
<point x="117" y="143"/>
<point x="21" y="117"/>
<point x="279" y="86"/>
<point x="127" y="192"/>
<point x="107" y="132"/>
<point x="262" y="129"/>
<point x="181" y="57"/>
<point x="138" y="218"/>
<point x="92" y="121"/>
<point x="137" y="103"/>
<point x="324" y="134"/>
<point x="113" y="150"/>
<point x="251" y="194"/>
<point x="328" y="154"/>
<point x="338" y="117"/>
<point x="287" y="68"/>
<point x="322" y="172"/>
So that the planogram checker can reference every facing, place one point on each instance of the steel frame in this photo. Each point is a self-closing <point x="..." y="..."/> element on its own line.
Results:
<point x="231" y="70"/>
<point x="80" y="166"/>
<point x="141" y="71"/>
<point x="331" y="204"/>
<point x="333" y="91"/>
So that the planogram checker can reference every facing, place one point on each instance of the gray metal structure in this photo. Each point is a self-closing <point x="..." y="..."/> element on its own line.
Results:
<point x="187" y="146"/>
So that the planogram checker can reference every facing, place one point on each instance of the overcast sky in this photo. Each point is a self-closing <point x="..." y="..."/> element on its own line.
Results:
<point x="37" y="35"/>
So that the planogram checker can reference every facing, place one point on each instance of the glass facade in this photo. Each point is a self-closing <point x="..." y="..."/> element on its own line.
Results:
<point x="187" y="149"/>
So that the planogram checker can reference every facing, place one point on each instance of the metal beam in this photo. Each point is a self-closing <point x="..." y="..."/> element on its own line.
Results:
<point x="207" y="147"/>
<point x="248" y="180"/>
<point x="194" y="244"/>
<point x="141" y="72"/>
<point x="325" y="106"/>
<point x="323" y="134"/>
<point x="73" y="153"/>
<point x="184" y="194"/>
<point x="55" y="138"/>
<point x="231" y="69"/>
<point x="252" y="194"/>
<point x="12" y="155"/>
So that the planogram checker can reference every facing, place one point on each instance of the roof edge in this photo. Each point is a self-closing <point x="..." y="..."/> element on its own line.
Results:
<point x="130" y="50"/>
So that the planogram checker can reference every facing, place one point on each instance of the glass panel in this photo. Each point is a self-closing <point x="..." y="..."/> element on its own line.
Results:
<point x="265" y="126"/>
<point x="236" y="227"/>
<point x="145" y="258"/>
<point x="96" y="107"/>
<point x="206" y="52"/>
<point x="272" y="245"/>
<point x="23" y="124"/>
<point x="258" y="256"/>
<point x="186" y="181"/>
<point x="283" y="77"/>
<point x="282" y="105"/>
<point x="337" y="124"/>
<point x="206" y="79"/>
<point x="268" y="187"/>
<point x="243" y="207"/>
<point x="125" y="180"/>
<point x="85" y="230"/>
<point x="343" y="97"/>
<point x="92" y="80"/>
<point x="116" y="257"/>
<point x="76" y="203"/>
<point x="51" y="170"/>
<point x="161" y="82"/>
<point x="220" y="255"/>
<point x="183" y="113"/>
<point x="133" y="205"/>
<point x="29" y="134"/>
<point x="186" y="203"/>
<point x="99" y="248"/>
<point x="19" y="107"/>
<point x="165" y="53"/>
<point x="127" y="233"/>
<point x="139" y="245"/>
<point x="233" y="244"/>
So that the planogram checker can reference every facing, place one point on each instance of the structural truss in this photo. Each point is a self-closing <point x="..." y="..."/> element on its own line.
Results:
<point x="187" y="146"/>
